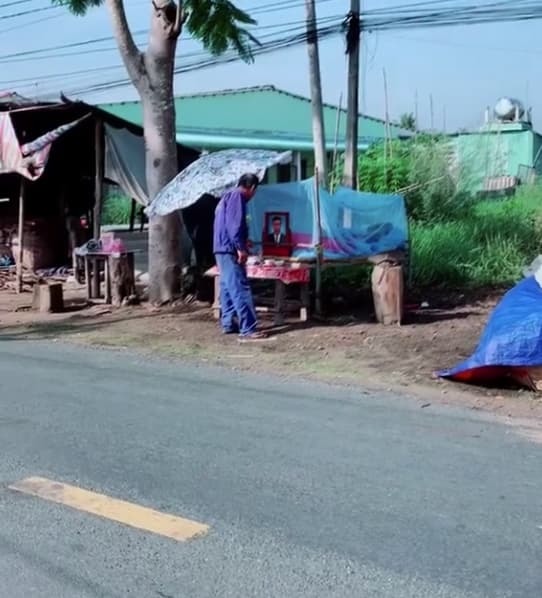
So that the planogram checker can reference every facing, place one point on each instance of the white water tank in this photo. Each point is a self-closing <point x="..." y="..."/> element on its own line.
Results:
<point x="509" y="110"/>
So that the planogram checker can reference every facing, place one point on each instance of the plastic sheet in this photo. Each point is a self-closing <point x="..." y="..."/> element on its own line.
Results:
<point x="511" y="341"/>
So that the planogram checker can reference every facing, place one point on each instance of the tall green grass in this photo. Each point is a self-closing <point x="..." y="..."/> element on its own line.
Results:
<point x="489" y="246"/>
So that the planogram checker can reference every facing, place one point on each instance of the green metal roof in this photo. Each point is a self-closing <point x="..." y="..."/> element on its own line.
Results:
<point x="262" y="117"/>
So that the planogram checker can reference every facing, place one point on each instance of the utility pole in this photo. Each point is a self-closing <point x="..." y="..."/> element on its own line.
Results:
<point x="353" y="33"/>
<point x="318" y="132"/>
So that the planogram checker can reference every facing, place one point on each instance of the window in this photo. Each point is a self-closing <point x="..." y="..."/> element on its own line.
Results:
<point x="284" y="173"/>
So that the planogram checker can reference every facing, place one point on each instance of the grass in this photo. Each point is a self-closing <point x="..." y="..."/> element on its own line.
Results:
<point x="488" y="247"/>
<point x="116" y="210"/>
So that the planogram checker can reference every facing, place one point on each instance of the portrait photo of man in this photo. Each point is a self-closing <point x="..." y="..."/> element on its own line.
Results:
<point x="277" y="235"/>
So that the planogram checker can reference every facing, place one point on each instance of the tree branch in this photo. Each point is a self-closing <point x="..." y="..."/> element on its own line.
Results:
<point x="172" y="14"/>
<point x="180" y="18"/>
<point x="131" y="55"/>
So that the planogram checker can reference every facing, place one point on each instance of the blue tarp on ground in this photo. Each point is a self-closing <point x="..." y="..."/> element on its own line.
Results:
<point x="512" y="337"/>
<point x="354" y="224"/>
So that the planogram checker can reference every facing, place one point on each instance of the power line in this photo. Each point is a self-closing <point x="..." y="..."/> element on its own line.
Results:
<point x="14" y="3"/>
<point x="203" y="57"/>
<point x="414" y="15"/>
<point x="184" y="55"/>
<point x="275" y="45"/>
<point x="18" y="57"/>
<point x="28" y="23"/>
<point x="29" y="12"/>
<point x="262" y="9"/>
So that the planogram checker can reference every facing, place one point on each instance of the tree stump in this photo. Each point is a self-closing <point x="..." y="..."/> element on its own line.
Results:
<point x="48" y="298"/>
<point x="388" y="293"/>
<point x="122" y="278"/>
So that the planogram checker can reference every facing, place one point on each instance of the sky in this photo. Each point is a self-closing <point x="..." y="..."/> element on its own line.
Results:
<point x="464" y="69"/>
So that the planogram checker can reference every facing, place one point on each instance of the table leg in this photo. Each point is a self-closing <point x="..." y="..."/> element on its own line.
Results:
<point x="216" y="299"/>
<point x="131" y="265"/>
<point x="280" y="295"/>
<point x="107" y="280"/>
<point x="305" y="302"/>
<point x="87" y="277"/>
<point x="95" y="278"/>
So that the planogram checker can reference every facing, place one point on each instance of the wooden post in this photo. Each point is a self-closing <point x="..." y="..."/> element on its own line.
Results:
<point x="318" y="124"/>
<point x="337" y="127"/>
<point x="318" y="246"/>
<point x="22" y="193"/>
<point x="280" y="297"/>
<point x="133" y="214"/>
<point x="216" y="301"/>
<point x="298" y="166"/>
<point x="387" y="112"/>
<point x="305" y="302"/>
<point x="48" y="298"/>
<point x="99" y="175"/>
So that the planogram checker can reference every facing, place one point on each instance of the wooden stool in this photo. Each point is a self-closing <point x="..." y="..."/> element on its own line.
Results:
<point x="119" y="276"/>
<point x="387" y="283"/>
<point x="48" y="298"/>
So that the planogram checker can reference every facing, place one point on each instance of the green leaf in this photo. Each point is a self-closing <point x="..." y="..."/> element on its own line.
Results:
<point x="220" y="26"/>
<point x="78" y="7"/>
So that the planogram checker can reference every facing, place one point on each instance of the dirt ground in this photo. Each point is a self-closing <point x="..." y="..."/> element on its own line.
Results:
<point x="347" y="349"/>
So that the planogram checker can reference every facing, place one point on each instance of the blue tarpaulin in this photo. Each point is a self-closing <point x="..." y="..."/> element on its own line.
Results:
<point x="512" y="338"/>
<point x="354" y="224"/>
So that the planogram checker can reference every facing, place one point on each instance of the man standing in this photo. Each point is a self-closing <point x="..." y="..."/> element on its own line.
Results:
<point x="230" y="246"/>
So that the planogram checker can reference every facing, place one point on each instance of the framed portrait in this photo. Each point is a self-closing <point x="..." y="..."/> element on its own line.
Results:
<point x="277" y="237"/>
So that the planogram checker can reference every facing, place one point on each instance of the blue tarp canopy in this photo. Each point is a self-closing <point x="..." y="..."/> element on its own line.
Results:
<point x="354" y="224"/>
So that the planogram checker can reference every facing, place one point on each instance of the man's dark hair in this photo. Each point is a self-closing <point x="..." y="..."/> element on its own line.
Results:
<point x="247" y="181"/>
<point x="277" y="219"/>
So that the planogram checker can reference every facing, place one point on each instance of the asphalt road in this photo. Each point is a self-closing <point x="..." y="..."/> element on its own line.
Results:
<point x="309" y="491"/>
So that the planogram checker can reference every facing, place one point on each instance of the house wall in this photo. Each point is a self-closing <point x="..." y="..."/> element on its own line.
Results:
<point x="497" y="152"/>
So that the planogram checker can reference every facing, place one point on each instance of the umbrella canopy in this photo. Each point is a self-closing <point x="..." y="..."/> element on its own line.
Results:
<point x="213" y="174"/>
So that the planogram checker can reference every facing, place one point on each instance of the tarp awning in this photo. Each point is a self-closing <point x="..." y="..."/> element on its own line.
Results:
<point x="125" y="162"/>
<point x="28" y="159"/>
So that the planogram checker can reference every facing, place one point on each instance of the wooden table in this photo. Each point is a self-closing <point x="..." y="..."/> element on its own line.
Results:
<point x="282" y="276"/>
<point x="119" y="275"/>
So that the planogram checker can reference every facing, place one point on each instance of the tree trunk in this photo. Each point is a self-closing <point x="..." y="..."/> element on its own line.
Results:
<point x="161" y="160"/>
<point x="152" y="74"/>
<point x="318" y="131"/>
<point x="161" y="167"/>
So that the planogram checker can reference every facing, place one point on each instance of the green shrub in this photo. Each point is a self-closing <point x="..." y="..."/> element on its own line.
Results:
<point x="116" y="210"/>
<point x="420" y="170"/>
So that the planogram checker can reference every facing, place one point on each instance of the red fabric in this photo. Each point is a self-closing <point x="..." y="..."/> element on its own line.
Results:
<point x="286" y="274"/>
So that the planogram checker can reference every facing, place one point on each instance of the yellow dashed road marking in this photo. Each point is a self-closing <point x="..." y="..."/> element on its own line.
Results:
<point x="120" y="511"/>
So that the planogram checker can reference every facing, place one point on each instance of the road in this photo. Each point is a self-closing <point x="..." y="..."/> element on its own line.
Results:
<point x="308" y="490"/>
